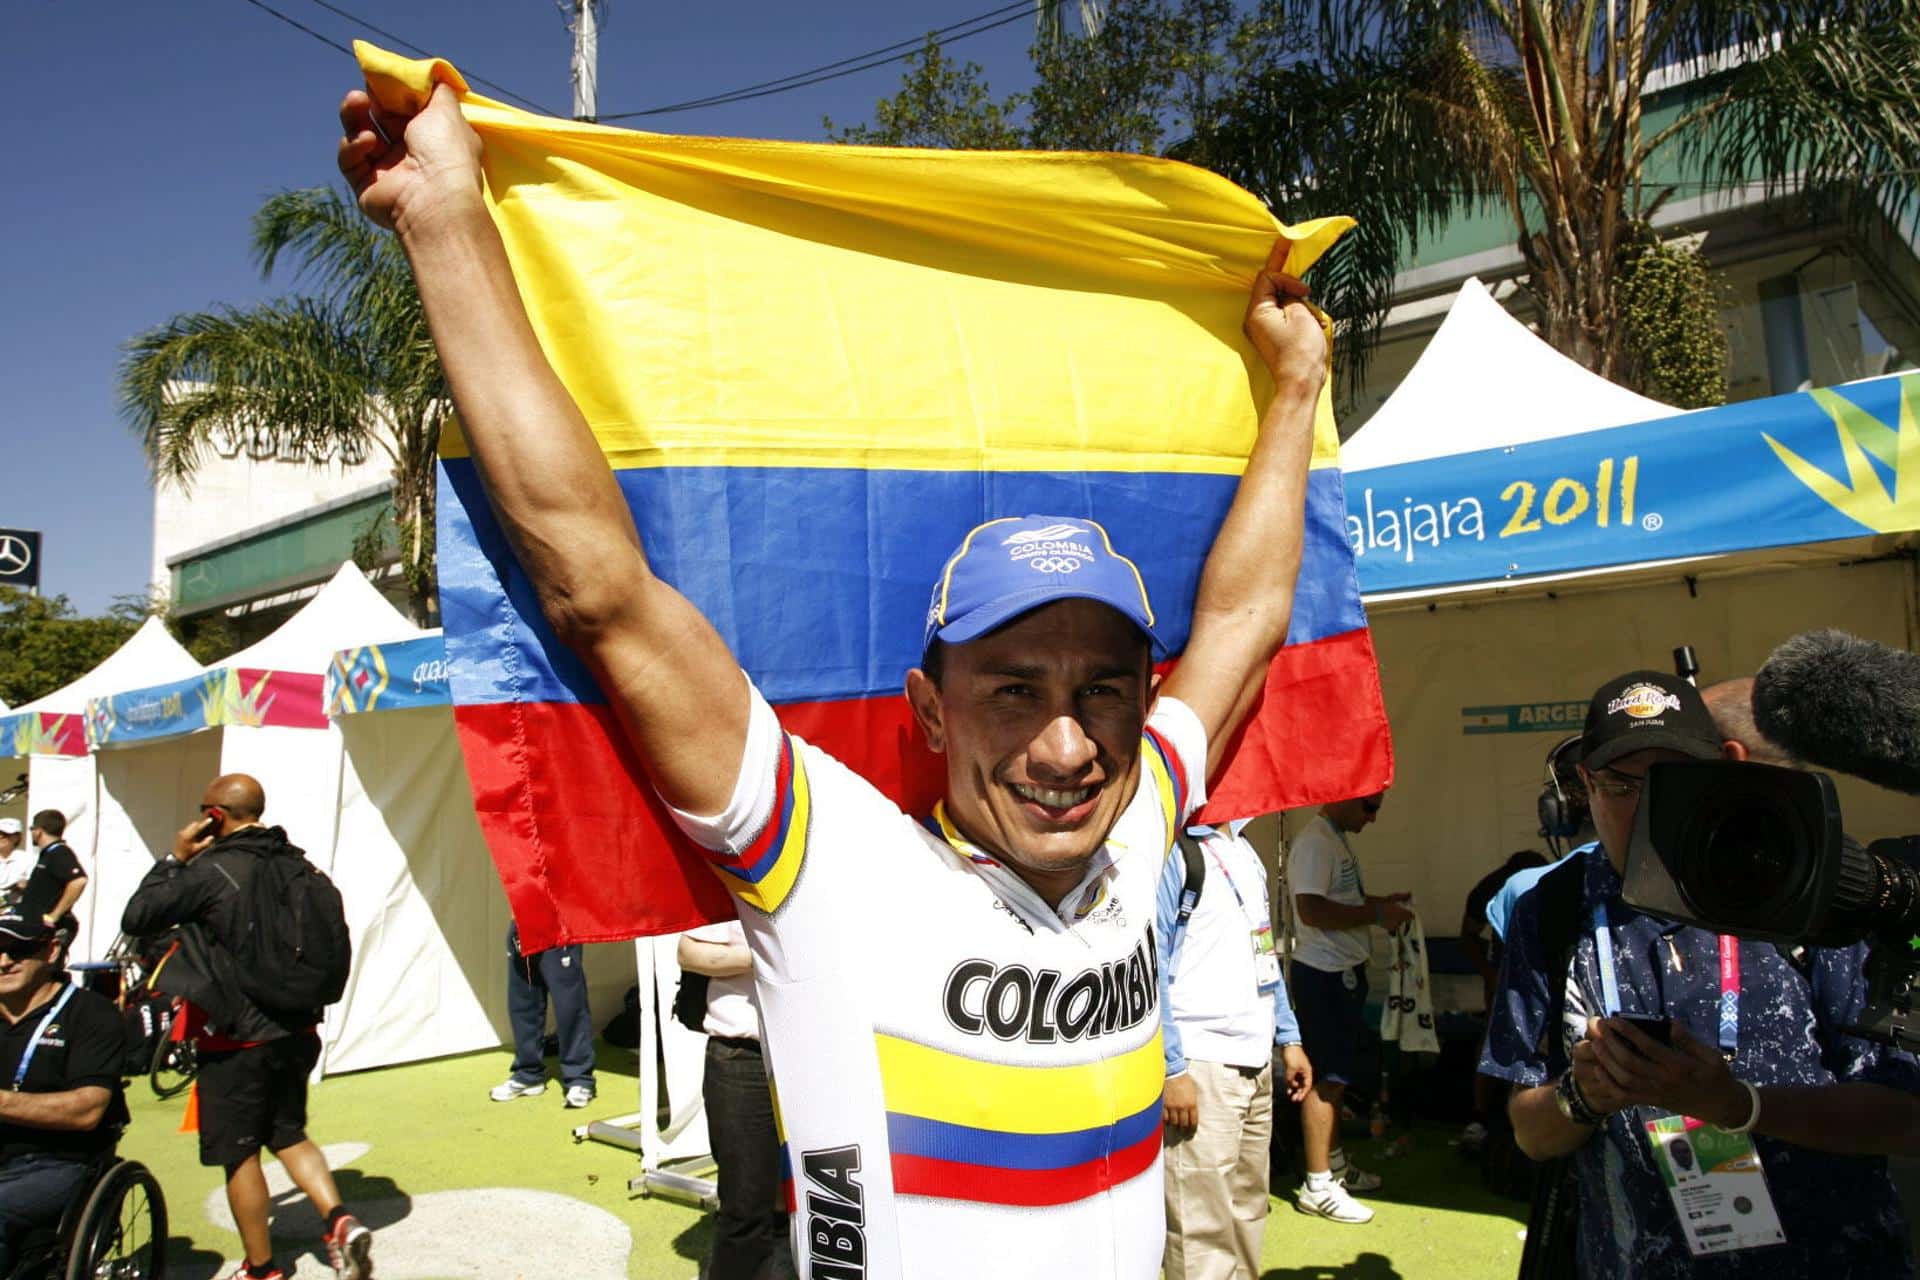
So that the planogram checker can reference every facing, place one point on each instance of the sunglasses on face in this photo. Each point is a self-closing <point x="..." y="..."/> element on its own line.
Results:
<point x="20" y="949"/>
<point x="1371" y="806"/>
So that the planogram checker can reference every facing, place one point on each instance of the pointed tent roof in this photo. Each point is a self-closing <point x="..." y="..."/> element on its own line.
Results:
<point x="278" y="681"/>
<point x="347" y="611"/>
<point x="150" y="656"/>
<point x="1486" y="381"/>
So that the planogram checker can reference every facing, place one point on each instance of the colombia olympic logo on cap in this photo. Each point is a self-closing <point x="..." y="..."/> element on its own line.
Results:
<point x="1050" y="550"/>
<point x="1644" y="702"/>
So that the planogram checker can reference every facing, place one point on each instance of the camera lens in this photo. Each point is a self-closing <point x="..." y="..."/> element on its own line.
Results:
<point x="1749" y="858"/>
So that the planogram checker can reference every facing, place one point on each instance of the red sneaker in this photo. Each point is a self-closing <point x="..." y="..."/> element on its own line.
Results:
<point x="350" y="1249"/>
<point x="241" y="1273"/>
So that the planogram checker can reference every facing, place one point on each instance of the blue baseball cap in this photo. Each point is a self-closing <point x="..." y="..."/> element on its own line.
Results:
<point x="1013" y="565"/>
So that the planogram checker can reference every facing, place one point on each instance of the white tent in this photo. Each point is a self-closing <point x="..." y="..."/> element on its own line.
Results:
<point x="1482" y="677"/>
<point x="50" y="740"/>
<point x="260" y="712"/>
<point x="1486" y="381"/>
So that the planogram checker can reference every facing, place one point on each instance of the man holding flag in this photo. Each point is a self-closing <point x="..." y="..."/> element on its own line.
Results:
<point x="961" y="1011"/>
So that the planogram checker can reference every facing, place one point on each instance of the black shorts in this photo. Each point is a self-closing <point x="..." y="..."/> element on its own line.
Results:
<point x="254" y="1098"/>
<point x="1332" y="1019"/>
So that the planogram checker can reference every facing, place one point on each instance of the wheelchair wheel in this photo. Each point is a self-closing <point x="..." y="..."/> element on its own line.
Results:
<point x="123" y="1229"/>
<point x="175" y="1062"/>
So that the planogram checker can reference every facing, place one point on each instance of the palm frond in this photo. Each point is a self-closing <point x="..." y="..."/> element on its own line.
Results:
<point x="1348" y="135"/>
<point x="1830" y="113"/>
<point x="290" y="375"/>
<point x="349" y="260"/>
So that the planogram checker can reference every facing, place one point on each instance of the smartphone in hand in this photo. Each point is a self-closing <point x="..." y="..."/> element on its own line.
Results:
<point x="1659" y="1029"/>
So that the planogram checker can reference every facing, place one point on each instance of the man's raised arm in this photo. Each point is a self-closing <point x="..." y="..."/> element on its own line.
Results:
<point x="666" y="671"/>
<point x="1245" y="599"/>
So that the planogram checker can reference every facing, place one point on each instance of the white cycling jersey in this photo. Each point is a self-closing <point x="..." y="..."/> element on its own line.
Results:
<point x="968" y="1080"/>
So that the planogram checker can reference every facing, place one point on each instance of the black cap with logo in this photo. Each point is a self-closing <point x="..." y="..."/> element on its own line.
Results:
<point x="1645" y="711"/>
<point x="17" y="928"/>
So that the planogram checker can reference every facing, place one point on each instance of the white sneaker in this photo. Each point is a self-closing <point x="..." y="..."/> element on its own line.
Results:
<point x="1332" y="1203"/>
<point x="578" y="1095"/>
<point x="514" y="1089"/>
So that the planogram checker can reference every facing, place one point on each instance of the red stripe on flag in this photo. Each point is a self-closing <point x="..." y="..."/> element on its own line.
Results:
<point x="1318" y="733"/>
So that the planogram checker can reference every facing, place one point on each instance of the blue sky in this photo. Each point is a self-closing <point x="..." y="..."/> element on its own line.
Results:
<point x="144" y="135"/>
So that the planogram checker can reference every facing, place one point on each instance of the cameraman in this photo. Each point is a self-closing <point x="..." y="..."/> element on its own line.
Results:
<point x="1756" y="1048"/>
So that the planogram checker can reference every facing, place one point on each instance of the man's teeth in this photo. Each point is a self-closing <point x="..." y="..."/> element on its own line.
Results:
<point x="1052" y="798"/>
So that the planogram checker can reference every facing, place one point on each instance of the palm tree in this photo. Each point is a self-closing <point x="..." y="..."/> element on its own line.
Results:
<point x="1409" y="113"/>
<point x="345" y="369"/>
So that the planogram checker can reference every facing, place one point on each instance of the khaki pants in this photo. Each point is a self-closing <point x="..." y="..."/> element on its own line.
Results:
<point x="1217" y="1176"/>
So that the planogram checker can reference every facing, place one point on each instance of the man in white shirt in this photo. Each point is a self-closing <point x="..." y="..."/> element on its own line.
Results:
<point x="1224" y="1013"/>
<point x="750" y="1231"/>
<point x="1333" y="912"/>
<point x="16" y="857"/>
<point x="961" y="1008"/>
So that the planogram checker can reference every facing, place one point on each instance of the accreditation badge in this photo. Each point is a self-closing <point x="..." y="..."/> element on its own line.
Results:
<point x="1718" y="1187"/>
<point x="1266" y="965"/>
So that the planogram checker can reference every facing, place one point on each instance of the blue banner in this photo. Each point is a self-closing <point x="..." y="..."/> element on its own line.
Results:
<point x="388" y="677"/>
<point x="1807" y="467"/>
<point x="159" y="711"/>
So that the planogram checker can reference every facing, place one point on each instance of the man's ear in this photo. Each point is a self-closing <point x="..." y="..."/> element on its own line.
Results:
<point x="923" y="695"/>
<point x="1734" y="749"/>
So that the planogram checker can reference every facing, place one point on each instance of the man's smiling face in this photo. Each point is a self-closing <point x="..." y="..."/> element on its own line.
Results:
<point x="1040" y="723"/>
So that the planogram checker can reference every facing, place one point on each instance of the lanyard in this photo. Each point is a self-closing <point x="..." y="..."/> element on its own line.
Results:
<point x="33" y="1043"/>
<point x="1729" y="1028"/>
<point x="1227" y="876"/>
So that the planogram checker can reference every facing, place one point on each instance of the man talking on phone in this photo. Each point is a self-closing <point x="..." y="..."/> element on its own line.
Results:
<point x="1629" y="1039"/>
<point x="254" y="1062"/>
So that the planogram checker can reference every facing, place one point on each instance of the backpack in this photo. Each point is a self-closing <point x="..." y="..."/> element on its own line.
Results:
<point x="1190" y="890"/>
<point x="290" y="948"/>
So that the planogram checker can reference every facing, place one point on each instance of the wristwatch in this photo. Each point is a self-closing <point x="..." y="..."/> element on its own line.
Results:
<point x="1573" y="1104"/>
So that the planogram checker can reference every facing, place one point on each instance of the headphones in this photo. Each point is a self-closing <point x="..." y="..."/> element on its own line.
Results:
<point x="1561" y="815"/>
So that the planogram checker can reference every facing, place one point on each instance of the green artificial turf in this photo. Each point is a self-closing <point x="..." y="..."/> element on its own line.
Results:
<point x="429" y="1128"/>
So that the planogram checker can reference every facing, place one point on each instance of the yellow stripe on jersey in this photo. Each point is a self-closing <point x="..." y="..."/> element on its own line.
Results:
<point x="919" y="1080"/>
<point x="764" y="875"/>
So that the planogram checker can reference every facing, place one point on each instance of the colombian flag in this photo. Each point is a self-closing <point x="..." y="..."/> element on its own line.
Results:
<point x="812" y="369"/>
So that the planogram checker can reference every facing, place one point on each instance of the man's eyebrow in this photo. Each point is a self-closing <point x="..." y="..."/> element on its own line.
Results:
<point x="1036" y="671"/>
<point x="1018" y="670"/>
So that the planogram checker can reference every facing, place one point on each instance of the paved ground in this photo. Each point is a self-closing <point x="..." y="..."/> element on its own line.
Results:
<point x="460" y="1188"/>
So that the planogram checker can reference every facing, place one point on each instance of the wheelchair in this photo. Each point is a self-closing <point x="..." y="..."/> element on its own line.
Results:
<point x="115" y="1229"/>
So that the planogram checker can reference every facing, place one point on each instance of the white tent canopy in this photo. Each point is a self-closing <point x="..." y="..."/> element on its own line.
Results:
<point x="1487" y="381"/>
<point x="347" y="611"/>
<point x="69" y="783"/>
<point x="150" y="656"/>
<point x="148" y="789"/>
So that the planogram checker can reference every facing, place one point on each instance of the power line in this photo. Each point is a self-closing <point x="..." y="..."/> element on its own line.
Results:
<point x="331" y="43"/>
<point x="299" y="26"/>
<point x="414" y="48"/>
<point x="895" y="52"/>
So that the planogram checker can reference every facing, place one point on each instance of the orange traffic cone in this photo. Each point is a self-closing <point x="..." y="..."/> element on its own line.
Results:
<point x="190" y="1122"/>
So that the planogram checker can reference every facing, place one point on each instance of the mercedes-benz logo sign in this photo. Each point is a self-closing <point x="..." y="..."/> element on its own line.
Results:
<point x="15" y="556"/>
